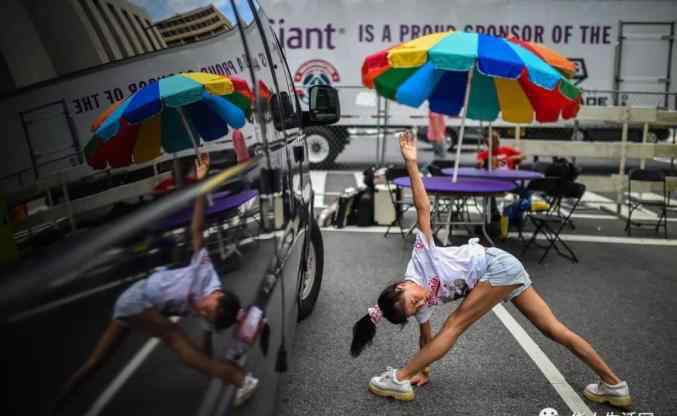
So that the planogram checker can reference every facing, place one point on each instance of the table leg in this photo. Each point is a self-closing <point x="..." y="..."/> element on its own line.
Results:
<point x="487" y="212"/>
<point x="447" y="226"/>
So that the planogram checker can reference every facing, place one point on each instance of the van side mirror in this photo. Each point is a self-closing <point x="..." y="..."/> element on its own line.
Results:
<point x="284" y="116"/>
<point x="324" y="107"/>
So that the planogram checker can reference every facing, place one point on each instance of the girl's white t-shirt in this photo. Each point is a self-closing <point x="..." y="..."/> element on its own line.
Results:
<point x="173" y="291"/>
<point x="448" y="272"/>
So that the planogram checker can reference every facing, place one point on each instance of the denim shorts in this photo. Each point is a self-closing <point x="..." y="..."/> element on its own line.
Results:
<point x="131" y="302"/>
<point x="503" y="269"/>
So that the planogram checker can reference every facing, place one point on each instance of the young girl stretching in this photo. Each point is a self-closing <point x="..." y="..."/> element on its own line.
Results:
<point x="484" y="276"/>
<point x="147" y="305"/>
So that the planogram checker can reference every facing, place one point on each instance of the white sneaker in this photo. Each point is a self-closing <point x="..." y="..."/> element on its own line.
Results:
<point x="247" y="390"/>
<point x="386" y="385"/>
<point x="617" y="395"/>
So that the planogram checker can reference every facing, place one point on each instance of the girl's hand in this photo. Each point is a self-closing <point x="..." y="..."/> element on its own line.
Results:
<point x="202" y="166"/>
<point x="420" y="379"/>
<point x="408" y="146"/>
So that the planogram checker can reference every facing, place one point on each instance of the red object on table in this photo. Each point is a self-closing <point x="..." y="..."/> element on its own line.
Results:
<point x="169" y="184"/>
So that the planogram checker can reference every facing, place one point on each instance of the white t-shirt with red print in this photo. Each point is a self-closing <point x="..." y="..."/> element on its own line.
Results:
<point x="448" y="272"/>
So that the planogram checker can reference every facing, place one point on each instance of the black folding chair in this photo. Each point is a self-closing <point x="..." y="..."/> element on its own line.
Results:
<point x="647" y="177"/>
<point x="552" y="222"/>
<point x="400" y="204"/>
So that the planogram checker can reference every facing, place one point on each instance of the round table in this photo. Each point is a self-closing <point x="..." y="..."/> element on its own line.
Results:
<point x="497" y="174"/>
<point x="463" y="188"/>
<point x="515" y="176"/>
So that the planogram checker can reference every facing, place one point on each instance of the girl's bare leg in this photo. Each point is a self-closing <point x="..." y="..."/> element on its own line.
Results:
<point x="111" y="339"/>
<point x="532" y="305"/>
<point x="478" y="302"/>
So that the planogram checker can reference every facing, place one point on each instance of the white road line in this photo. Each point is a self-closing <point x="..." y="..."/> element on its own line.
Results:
<point x="359" y="179"/>
<point x="124" y="375"/>
<point x="319" y="181"/>
<point x="565" y="237"/>
<point x="609" y="205"/>
<point x="551" y="373"/>
<point x="652" y="196"/>
<point x="49" y="306"/>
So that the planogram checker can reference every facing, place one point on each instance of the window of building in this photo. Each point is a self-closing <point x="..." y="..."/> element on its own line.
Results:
<point x="137" y="33"/>
<point x="97" y="28"/>
<point x="145" y="29"/>
<point x="112" y="29"/>
<point x="156" y="35"/>
<point x="125" y="30"/>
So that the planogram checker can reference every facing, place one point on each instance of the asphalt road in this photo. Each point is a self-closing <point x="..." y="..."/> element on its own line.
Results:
<point x="620" y="297"/>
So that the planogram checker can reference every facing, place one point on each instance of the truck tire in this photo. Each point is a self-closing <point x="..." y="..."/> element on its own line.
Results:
<point x="343" y="136"/>
<point x="323" y="146"/>
<point x="312" y="276"/>
<point x="451" y="139"/>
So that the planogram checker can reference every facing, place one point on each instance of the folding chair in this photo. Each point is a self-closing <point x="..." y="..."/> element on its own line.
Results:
<point x="400" y="204"/>
<point x="645" y="178"/>
<point x="551" y="223"/>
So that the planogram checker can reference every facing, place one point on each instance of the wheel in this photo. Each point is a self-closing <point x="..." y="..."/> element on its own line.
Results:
<point x="451" y="138"/>
<point x="323" y="146"/>
<point x="312" y="276"/>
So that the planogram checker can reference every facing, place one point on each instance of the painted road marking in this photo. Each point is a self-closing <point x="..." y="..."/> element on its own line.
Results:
<point x="551" y="373"/>
<point x="565" y="237"/>
<point x="124" y="375"/>
<point x="319" y="180"/>
<point x="49" y="306"/>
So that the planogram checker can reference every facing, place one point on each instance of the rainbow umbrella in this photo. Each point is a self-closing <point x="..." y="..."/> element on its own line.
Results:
<point x="168" y="115"/>
<point x="552" y="58"/>
<point x="480" y="74"/>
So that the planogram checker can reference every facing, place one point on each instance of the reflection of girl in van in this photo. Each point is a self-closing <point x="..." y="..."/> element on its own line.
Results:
<point x="484" y="277"/>
<point x="146" y="305"/>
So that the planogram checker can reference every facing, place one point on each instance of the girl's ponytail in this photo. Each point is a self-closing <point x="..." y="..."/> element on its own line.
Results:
<point x="363" y="333"/>
<point x="387" y="306"/>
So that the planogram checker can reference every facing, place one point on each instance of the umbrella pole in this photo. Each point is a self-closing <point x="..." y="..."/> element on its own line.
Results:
<point x="462" y="132"/>
<point x="491" y="148"/>
<point x="186" y="126"/>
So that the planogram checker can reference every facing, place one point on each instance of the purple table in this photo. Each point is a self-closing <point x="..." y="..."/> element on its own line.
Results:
<point x="223" y="202"/>
<point x="464" y="186"/>
<point x="463" y="189"/>
<point x="497" y="174"/>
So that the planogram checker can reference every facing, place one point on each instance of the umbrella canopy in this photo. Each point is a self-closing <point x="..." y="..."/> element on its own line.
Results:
<point x="169" y="114"/>
<point x="507" y="77"/>
<point x="554" y="59"/>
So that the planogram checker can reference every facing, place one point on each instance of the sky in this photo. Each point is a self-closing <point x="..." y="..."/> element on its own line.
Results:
<point x="162" y="9"/>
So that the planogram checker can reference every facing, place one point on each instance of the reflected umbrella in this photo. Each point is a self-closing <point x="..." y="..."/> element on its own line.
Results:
<point x="169" y="115"/>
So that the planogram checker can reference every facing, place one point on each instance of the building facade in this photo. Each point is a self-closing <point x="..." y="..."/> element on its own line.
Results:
<point x="103" y="30"/>
<point x="193" y="26"/>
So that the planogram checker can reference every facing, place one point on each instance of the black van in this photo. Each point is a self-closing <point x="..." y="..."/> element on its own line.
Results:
<point x="77" y="235"/>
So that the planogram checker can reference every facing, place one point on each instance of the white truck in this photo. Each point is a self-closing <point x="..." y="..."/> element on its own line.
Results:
<point x="624" y="52"/>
